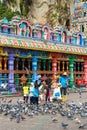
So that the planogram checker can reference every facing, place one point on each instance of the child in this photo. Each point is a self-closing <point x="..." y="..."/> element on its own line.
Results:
<point x="25" y="92"/>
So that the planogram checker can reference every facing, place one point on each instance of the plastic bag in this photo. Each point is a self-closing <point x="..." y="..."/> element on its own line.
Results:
<point x="57" y="93"/>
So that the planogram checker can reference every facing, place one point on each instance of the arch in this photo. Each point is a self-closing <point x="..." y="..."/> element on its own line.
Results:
<point x="79" y="39"/>
<point x="64" y="37"/>
<point x="46" y="33"/>
<point x="24" y="28"/>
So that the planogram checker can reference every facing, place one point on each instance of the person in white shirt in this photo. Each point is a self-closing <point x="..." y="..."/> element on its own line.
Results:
<point x="31" y="93"/>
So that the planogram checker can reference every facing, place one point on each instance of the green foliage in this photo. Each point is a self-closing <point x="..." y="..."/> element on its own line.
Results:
<point x="55" y="15"/>
<point x="24" y="6"/>
<point x="5" y="12"/>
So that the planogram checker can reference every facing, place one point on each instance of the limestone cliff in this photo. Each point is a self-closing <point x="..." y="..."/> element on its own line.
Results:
<point x="54" y="12"/>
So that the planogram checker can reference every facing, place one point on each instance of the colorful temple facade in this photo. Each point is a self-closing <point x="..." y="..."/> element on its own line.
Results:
<point x="28" y="49"/>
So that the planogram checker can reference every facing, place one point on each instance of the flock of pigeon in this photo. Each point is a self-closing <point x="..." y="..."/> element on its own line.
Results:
<point x="20" y="110"/>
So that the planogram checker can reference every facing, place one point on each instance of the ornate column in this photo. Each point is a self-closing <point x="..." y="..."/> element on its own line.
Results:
<point x="11" y="73"/>
<point x="0" y="72"/>
<point x="85" y="72"/>
<point x="34" y="67"/>
<point x="63" y="62"/>
<point x="54" y="66"/>
<point x="5" y="68"/>
<point x="17" y="75"/>
<point x="71" y="68"/>
<point x="58" y="66"/>
<point x="67" y="66"/>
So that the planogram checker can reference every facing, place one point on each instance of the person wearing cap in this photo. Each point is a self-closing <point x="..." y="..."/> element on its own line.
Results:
<point x="64" y="82"/>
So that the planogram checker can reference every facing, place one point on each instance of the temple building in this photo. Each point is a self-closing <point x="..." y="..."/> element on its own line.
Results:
<point x="27" y="49"/>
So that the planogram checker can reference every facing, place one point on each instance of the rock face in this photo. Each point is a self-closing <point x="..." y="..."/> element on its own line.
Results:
<point x="54" y="12"/>
<point x="38" y="11"/>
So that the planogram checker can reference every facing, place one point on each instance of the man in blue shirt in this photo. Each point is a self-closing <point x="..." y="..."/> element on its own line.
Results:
<point x="64" y="82"/>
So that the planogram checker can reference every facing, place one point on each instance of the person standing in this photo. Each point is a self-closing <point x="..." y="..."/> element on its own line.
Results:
<point x="31" y="95"/>
<point x="64" y="82"/>
<point x="36" y="93"/>
<point x="25" y="92"/>
<point x="48" y="82"/>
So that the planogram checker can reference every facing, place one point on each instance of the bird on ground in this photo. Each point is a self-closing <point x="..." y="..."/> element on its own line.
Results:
<point x="64" y="125"/>
<point x="54" y="120"/>
<point x="22" y="117"/>
<point x="83" y="126"/>
<point x="77" y="120"/>
<point x="10" y="101"/>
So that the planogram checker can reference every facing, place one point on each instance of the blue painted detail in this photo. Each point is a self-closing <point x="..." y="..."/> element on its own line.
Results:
<point x="59" y="38"/>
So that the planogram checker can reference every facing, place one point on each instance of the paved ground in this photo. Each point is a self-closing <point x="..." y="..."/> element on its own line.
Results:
<point x="43" y="122"/>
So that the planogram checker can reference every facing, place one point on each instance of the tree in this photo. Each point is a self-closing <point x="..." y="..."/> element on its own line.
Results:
<point x="5" y="12"/>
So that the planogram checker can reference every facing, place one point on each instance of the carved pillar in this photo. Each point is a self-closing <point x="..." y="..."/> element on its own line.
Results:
<point x="58" y="66"/>
<point x="67" y="66"/>
<point x="0" y="73"/>
<point x="63" y="62"/>
<point x="5" y="63"/>
<point x="54" y="66"/>
<point x="0" y="63"/>
<point x="85" y="72"/>
<point x="71" y="68"/>
<point x="34" y="67"/>
<point x="17" y="75"/>
<point x="5" y="68"/>
<point x="11" y="72"/>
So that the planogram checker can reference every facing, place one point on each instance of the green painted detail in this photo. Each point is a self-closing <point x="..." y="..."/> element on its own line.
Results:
<point x="10" y="41"/>
<point x="71" y="57"/>
<point x="71" y="68"/>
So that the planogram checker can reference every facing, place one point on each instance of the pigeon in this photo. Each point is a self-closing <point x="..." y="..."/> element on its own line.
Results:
<point x="23" y="118"/>
<point x="18" y="118"/>
<point x="10" y="101"/>
<point x="77" y="120"/>
<point x="80" y="92"/>
<point x="82" y="126"/>
<point x="64" y="125"/>
<point x="54" y="120"/>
